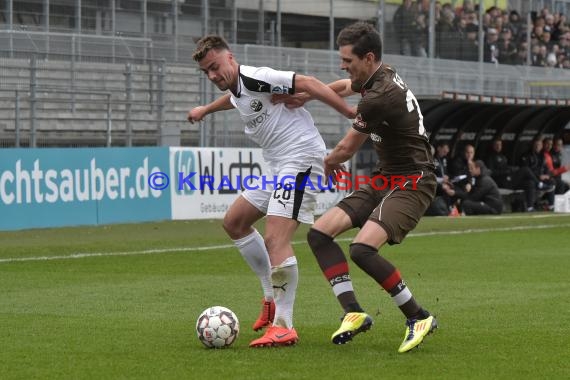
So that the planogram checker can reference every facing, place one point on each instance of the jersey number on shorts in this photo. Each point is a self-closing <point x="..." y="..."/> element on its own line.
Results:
<point x="285" y="191"/>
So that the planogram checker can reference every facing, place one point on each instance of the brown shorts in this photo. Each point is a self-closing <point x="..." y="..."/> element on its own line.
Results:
<point x="398" y="211"/>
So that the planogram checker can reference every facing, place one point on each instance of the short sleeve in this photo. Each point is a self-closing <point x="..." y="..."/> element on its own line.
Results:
<point x="280" y="82"/>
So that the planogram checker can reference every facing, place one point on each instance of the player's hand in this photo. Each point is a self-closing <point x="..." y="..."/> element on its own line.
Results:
<point x="291" y="101"/>
<point x="196" y="114"/>
<point x="353" y="113"/>
<point x="334" y="171"/>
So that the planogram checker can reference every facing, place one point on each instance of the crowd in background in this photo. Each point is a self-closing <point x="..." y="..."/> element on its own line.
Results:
<point x="505" y="34"/>
<point x="470" y="183"/>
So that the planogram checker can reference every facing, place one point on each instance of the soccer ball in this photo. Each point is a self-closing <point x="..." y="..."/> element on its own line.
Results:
<point x="217" y="327"/>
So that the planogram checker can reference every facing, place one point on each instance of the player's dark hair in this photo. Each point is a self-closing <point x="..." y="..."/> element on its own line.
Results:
<point x="207" y="43"/>
<point x="363" y="38"/>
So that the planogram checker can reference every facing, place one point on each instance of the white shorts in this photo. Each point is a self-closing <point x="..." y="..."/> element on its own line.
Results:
<point x="289" y="190"/>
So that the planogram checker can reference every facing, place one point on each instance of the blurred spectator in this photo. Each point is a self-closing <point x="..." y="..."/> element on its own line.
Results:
<point x="507" y="49"/>
<point x="470" y="44"/>
<point x="497" y="23"/>
<point x="551" y="60"/>
<point x="491" y="47"/>
<point x="538" y="55"/>
<point x="498" y="164"/>
<point x="564" y="44"/>
<point x="494" y="12"/>
<point x="560" y="58"/>
<point x="459" y="170"/>
<point x="511" y="177"/>
<point x="443" y="200"/>
<point x="422" y="35"/>
<point x="534" y="160"/>
<point x="404" y="26"/>
<point x="471" y="18"/>
<point x="515" y="24"/>
<point x="560" y="26"/>
<point x="447" y="35"/>
<point x="441" y="160"/>
<point x="536" y="34"/>
<point x="444" y="185"/>
<point x="487" y="21"/>
<point x="553" y="159"/>
<point x="546" y="40"/>
<point x="483" y="196"/>
<point x="520" y="57"/>
<point x="468" y="7"/>
<point x="549" y="23"/>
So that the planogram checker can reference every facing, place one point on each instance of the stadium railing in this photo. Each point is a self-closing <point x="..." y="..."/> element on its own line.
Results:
<point x="151" y="97"/>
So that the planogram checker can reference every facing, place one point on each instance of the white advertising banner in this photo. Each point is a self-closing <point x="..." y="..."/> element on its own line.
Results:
<point x="205" y="181"/>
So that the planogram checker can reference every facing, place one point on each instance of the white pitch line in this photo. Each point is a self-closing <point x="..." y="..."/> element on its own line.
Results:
<point x="226" y="246"/>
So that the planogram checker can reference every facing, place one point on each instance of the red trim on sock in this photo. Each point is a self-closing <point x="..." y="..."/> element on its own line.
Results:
<point x="391" y="281"/>
<point x="336" y="270"/>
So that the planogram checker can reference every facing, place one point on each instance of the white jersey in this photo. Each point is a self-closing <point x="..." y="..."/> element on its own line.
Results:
<point x="282" y="133"/>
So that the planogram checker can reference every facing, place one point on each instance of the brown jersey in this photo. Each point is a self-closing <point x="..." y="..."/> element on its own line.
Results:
<point x="389" y="112"/>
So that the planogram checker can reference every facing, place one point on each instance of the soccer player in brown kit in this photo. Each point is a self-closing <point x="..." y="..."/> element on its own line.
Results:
<point x="389" y="114"/>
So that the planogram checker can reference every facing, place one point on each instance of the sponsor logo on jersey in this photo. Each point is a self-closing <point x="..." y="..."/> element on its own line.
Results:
<point x="376" y="138"/>
<point x="359" y="123"/>
<point x="258" y="120"/>
<point x="256" y="105"/>
<point x="280" y="90"/>
<point x="260" y="86"/>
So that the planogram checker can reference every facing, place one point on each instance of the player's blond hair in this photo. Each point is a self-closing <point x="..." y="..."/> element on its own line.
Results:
<point x="207" y="43"/>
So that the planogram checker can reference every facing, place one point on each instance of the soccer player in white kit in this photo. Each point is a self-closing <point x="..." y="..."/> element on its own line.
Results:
<point x="294" y="152"/>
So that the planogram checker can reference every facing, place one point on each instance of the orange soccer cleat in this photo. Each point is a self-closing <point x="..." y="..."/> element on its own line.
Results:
<point x="276" y="336"/>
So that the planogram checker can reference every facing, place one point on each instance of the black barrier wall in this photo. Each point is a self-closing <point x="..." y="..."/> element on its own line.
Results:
<point x="460" y="123"/>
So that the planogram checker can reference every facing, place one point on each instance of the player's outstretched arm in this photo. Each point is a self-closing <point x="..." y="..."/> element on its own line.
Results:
<point x="220" y="104"/>
<point x="342" y="87"/>
<point x="320" y="91"/>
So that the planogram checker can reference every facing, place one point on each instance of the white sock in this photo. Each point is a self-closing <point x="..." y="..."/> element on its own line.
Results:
<point x="285" y="279"/>
<point x="252" y="248"/>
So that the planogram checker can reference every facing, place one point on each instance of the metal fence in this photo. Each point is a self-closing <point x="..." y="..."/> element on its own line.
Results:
<point x="74" y="101"/>
<point x="277" y="23"/>
<point x="80" y="47"/>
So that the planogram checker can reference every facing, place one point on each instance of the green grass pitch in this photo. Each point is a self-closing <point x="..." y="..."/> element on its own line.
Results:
<point x="121" y="301"/>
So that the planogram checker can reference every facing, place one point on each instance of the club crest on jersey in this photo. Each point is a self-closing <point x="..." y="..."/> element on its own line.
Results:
<point x="256" y="105"/>
<point x="359" y="123"/>
<point x="279" y="90"/>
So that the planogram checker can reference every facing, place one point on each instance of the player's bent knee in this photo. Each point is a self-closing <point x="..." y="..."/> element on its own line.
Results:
<point x="359" y="251"/>
<point x="276" y="242"/>
<point x="234" y="227"/>
<point x="317" y="239"/>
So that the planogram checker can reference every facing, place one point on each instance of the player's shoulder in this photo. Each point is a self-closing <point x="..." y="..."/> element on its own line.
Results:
<point x="387" y="88"/>
<point x="254" y="78"/>
<point x="256" y="72"/>
<point x="389" y="79"/>
<point x="379" y="96"/>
